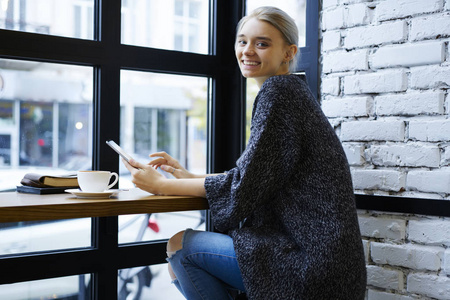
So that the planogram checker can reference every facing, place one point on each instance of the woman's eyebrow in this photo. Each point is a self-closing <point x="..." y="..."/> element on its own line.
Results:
<point x="265" y="38"/>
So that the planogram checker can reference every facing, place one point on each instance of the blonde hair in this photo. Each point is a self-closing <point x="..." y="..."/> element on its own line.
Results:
<point x="281" y="21"/>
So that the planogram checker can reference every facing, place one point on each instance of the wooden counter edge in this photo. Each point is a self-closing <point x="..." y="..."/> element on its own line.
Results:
<point x="100" y="208"/>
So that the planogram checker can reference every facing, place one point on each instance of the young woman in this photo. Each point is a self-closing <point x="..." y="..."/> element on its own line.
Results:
<point x="286" y="211"/>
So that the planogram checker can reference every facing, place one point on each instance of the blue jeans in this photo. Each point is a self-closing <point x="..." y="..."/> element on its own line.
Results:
<point x="206" y="267"/>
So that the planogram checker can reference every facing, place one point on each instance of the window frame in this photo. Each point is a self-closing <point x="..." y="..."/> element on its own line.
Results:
<point x="108" y="56"/>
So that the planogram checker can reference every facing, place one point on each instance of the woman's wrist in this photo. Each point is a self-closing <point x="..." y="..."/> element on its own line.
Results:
<point x="182" y="187"/>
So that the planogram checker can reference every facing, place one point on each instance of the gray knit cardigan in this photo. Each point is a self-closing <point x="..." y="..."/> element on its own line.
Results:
<point x="293" y="192"/>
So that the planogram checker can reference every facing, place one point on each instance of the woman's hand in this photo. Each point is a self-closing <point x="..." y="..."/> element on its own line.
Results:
<point x="148" y="179"/>
<point x="145" y="177"/>
<point x="170" y="165"/>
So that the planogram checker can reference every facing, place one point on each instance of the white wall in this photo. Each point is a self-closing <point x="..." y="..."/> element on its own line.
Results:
<point x="385" y="81"/>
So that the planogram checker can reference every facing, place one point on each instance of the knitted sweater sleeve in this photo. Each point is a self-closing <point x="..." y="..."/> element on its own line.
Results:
<point x="267" y="160"/>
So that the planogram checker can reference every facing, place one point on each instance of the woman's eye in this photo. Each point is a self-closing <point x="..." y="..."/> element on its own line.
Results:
<point x="261" y="44"/>
<point x="241" y="42"/>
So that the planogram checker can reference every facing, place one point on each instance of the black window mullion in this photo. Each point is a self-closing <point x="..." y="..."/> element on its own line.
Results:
<point x="309" y="55"/>
<point x="228" y="102"/>
<point x="50" y="264"/>
<point x="107" y="85"/>
<point x="167" y="61"/>
<point x="105" y="238"/>
<point x="106" y="126"/>
<point x="47" y="48"/>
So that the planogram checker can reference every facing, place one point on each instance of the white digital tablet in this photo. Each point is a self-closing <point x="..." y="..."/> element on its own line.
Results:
<point x="119" y="150"/>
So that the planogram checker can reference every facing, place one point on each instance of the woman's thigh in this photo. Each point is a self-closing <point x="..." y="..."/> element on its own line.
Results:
<point x="214" y="253"/>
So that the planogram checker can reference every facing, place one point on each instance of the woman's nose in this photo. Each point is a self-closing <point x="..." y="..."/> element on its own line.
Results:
<point x="249" y="50"/>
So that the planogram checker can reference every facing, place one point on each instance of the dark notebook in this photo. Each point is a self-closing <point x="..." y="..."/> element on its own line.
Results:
<point x="40" y="191"/>
<point x="43" y="181"/>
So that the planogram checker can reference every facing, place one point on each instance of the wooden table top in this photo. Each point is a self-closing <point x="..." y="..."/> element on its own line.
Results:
<point x="17" y="207"/>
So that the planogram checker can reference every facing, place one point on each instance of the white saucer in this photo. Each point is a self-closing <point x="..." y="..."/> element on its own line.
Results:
<point x="93" y="195"/>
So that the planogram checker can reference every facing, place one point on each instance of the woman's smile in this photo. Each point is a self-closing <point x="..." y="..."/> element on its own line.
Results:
<point x="250" y="63"/>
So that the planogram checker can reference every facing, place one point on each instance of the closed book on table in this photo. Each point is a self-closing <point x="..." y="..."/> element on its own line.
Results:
<point x="39" y="180"/>
<point x="40" y="191"/>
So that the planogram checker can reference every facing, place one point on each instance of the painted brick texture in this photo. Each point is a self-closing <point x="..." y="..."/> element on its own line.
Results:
<point x="386" y="77"/>
<point x="385" y="89"/>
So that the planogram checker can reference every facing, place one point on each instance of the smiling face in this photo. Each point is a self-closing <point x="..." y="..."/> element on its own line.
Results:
<point x="261" y="51"/>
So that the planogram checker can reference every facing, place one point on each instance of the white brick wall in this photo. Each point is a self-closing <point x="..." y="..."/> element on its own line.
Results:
<point x="383" y="180"/>
<point x="430" y="26"/>
<point x="386" y="77"/>
<point x="394" y="9"/>
<point x="331" y="40"/>
<point x="410" y="256"/>
<point x="384" y="81"/>
<point x="354" y="153"/>
<point x="385" y="278"/>
<point x="430" y="130"/>
<point x="434" y="286"/>
<point x="331" y="86"/>
<point x="446" y="261"/>
<point x="430" y="77"/>
<point x="411" y="103"/>
<point x="383" y="228"/>
<point x="386" y="33"/>
<point x="377" y="295"/>
<point x="429" y="181"/>
<point x="338" y="61"/>
<point x="399" y="247"/>
<point x="408" y="55"/>
<point x="385" y="89"/>
<point x="390" y="130"/>
<point x="347" y="106"/>
<point x="412" y="155"/>
<point x="431" y="232"/>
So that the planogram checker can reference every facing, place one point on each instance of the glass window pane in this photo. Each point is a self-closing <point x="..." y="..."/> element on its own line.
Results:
<point x="147" y="282"/>
<point x="45" y="117"/>
<point x="70" y="287"/>
<point x="24" y="237"/>
<point x="161" y="112"/>
<point x="69" y="18"/>
<point x="185" y="24"/>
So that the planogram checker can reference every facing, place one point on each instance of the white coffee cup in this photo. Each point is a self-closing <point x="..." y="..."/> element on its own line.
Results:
<point x="96" y="181"/>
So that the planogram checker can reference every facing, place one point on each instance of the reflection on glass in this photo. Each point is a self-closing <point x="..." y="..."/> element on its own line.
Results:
<point x="147" y="282"/>
<point x="45" y="119"/>
<point x="147" y="227"/>
<point x="172" y="24"/>
<point x="294" y="8"/>
<point x="45" y="127"/>
<point x="161" y="112"/>
<point x="25" y="237"/>
<point x="70" y="287"/>
<point x="69" y="18"/>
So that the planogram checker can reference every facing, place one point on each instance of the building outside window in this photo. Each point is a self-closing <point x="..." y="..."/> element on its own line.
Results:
<point x="83" y="19"/>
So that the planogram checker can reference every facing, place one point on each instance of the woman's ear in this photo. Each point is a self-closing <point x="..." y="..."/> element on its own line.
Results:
<point x="291" y="52"/>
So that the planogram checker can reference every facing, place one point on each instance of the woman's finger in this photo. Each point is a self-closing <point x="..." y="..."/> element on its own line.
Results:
<point x="133" y="165"/>
<point x="161" y="154"/>
<point x="166" y="157"/>
<point x="128" y="166"/>
<point x="158" y="161"/>
<point x="168" y="169"/>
